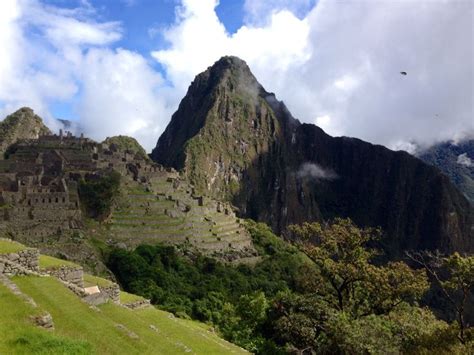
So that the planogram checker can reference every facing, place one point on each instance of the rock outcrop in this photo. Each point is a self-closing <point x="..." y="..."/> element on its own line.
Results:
<point x="22" y="124"/>
<point x="235" y="141"/>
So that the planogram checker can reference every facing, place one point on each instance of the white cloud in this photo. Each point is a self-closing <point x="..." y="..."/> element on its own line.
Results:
<point x="315" y="171"/>
<point x="198" y="39"/>
<point x="373" y="41"/>
<point x="119" y="96"/>
<point x="409" y="147"/>
<point x="115" y="91"/>
<point x="334" y="63"/>
<point x="37" y="69"/>
<point x="258" y="11"/>
<point x="340" y="64"/>
<point x="463" y="159"/>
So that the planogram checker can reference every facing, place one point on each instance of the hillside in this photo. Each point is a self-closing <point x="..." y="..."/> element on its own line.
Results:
<point x="456" y="160"/>
<point x="41" y="315"/>
<point x="124" y="143"/>
<point x="232" y="139"/>
<point x="23" y="124"/>
<point x="64" y="194"/>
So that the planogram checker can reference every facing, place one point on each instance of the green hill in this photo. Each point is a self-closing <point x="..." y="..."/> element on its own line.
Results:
<point x="129" y="144"/>
<point x="81" y="328"/>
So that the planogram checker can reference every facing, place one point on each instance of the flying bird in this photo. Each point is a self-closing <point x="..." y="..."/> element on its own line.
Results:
<point x="403" y="72"/>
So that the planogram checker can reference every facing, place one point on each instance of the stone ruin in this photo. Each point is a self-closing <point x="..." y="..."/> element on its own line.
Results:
<point x="26" y="262"/>
<point x="39" y="195"/>
<point x="39" y="182"/>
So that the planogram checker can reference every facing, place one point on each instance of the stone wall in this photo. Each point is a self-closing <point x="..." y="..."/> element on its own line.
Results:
<point x="96" y="299"/>
<point x="138" y="304"/>
<point x="69" y="274"/>
<point x="20" y="263"/>
<point x="111" y="292"/>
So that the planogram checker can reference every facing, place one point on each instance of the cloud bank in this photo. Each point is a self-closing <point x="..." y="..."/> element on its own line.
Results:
<point x="336" y="64"/>
<point x="71" y="59"/>
<point x="315" y="171"/>
<point x="463" y="159"/>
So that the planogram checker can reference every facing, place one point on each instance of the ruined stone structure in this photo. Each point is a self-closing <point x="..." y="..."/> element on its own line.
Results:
<point x="20" y="263"/>
<point x="39" y="198"/>
<point x="73" y="275"/>
<point x="39" y="180"/>
<point x="26" y="262"/>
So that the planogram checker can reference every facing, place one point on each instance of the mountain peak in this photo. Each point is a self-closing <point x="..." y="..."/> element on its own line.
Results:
<point x="235" y="141"/>
<point x="229" y="73"/>
<point x="22" y="124"/>
<point x="231" y="61"/>
<point x="228" y="102"/>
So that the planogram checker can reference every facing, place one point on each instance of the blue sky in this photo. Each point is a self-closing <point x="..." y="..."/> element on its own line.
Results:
<point x="142" y="22"/>
<point x="122" y="67"/>
<point x="142" y="19"/>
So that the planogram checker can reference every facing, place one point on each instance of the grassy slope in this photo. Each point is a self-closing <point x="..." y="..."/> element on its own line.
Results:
<point x="49" y="262"/>
<point x="75" y="319"/>
<point x="7" y="247"/>
<point x="90" y="280"/>
<point x="126" y="298"/>
<point x="20" y="336"/>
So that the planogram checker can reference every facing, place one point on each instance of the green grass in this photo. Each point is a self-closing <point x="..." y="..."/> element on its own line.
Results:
<point x="90" y="280"/>
<point x="146" y="331"/>
<point x="48" y="262"/>
<point x="139" y="191"/>
<point x="20" y="336"/>
<point x="126" y="298"/>
<point x="7" y="247"/>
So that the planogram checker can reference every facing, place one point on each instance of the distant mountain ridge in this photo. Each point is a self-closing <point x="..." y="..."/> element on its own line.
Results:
<point x="235" y="141"/>
<point x="456" y="160"/>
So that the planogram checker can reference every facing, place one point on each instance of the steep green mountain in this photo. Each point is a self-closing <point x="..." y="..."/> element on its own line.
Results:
<point x="23" y="124"/>
<point x="235" y="141"/>
<point x="456" y="160"/>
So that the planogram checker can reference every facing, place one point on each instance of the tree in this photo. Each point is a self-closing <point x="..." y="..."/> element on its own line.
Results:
<point x="97" y="193"/>
<point x="454" y="275"/>
<point x="354" y="284"/>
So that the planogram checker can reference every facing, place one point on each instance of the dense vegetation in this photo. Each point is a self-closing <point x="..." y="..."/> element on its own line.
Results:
<point x="97" y="193"/>
<point x="327" y="295"/>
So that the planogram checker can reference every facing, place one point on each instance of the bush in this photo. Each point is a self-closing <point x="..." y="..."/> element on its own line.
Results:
<point x="97" y="194"/>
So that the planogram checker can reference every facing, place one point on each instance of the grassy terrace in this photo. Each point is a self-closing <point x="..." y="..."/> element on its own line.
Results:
<point x="111" y="330"/>
<point x="7" y="247"/>
<point x="90" y="280"/>
<point x="126" y="298"/>
<point x="48" y="262"/>
<point x="20" y="336"/>
<point x="140" y="224"/>
<point x="130" y="217"/>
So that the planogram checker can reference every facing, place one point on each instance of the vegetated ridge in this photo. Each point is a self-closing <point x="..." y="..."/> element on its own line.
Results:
<point x="234" y="140"/>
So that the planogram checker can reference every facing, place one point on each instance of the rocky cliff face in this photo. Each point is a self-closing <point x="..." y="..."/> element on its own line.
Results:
<point x="22" y="124"/>
<point x="235" y="141"/>
<point x="456" y="161"/>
